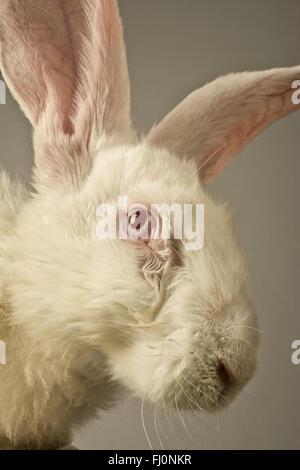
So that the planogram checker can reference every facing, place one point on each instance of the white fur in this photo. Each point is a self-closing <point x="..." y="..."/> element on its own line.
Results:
<point x="79" y="315"/>
<point x="79" y="308"/>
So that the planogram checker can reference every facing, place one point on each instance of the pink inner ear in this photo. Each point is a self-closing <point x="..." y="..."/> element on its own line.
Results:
<point x="63" y="62"/>
<point x="39" y="54"/>
<point x="65" y="55"/>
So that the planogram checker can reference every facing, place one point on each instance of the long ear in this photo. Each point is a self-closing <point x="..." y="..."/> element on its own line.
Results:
<point x="213" y="124"/>
<point x="65" y="63"/>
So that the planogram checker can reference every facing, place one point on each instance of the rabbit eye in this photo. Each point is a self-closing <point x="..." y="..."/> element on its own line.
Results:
<point x="135" y="221"/>
<point x="141" y="224"/>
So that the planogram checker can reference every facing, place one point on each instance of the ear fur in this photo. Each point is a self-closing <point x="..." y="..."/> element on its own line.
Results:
<point x="214" y="123"/>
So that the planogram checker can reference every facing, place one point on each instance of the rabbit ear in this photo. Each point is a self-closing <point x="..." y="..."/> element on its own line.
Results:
<point x="37" y="59"/>
<point x="65" y="62"/>
<point x="104" y="91"/>
<point x="213" y="124"/>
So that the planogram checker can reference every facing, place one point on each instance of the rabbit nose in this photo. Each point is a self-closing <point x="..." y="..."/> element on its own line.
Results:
<point x="225" y="376"/>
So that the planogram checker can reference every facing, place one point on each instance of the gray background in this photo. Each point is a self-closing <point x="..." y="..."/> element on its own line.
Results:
<point x="173" y="47"/>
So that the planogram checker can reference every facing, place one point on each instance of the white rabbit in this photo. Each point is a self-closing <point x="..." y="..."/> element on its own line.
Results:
<point x="80" y="315"/>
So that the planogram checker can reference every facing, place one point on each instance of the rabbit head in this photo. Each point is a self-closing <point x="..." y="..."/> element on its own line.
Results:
<point x="175" y="324"/>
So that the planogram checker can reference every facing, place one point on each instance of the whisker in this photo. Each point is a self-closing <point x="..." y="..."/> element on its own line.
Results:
<point x="189" y="435"/>
<point x="204" y="394"/>
<point x="210" y="157"/>
<point x="196" y="405"/>
<point x="167" y="417"/>
<point x="156" y="427"/>
<point x="144" y="425"/>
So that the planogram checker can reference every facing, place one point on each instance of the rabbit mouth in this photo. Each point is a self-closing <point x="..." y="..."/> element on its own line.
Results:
<point x="207" y="388"/>
<point x="205" y="397"/>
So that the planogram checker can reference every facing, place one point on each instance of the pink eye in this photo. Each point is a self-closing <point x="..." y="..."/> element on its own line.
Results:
<point x="140" y="224"/>
<point x="137" y="220"/>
